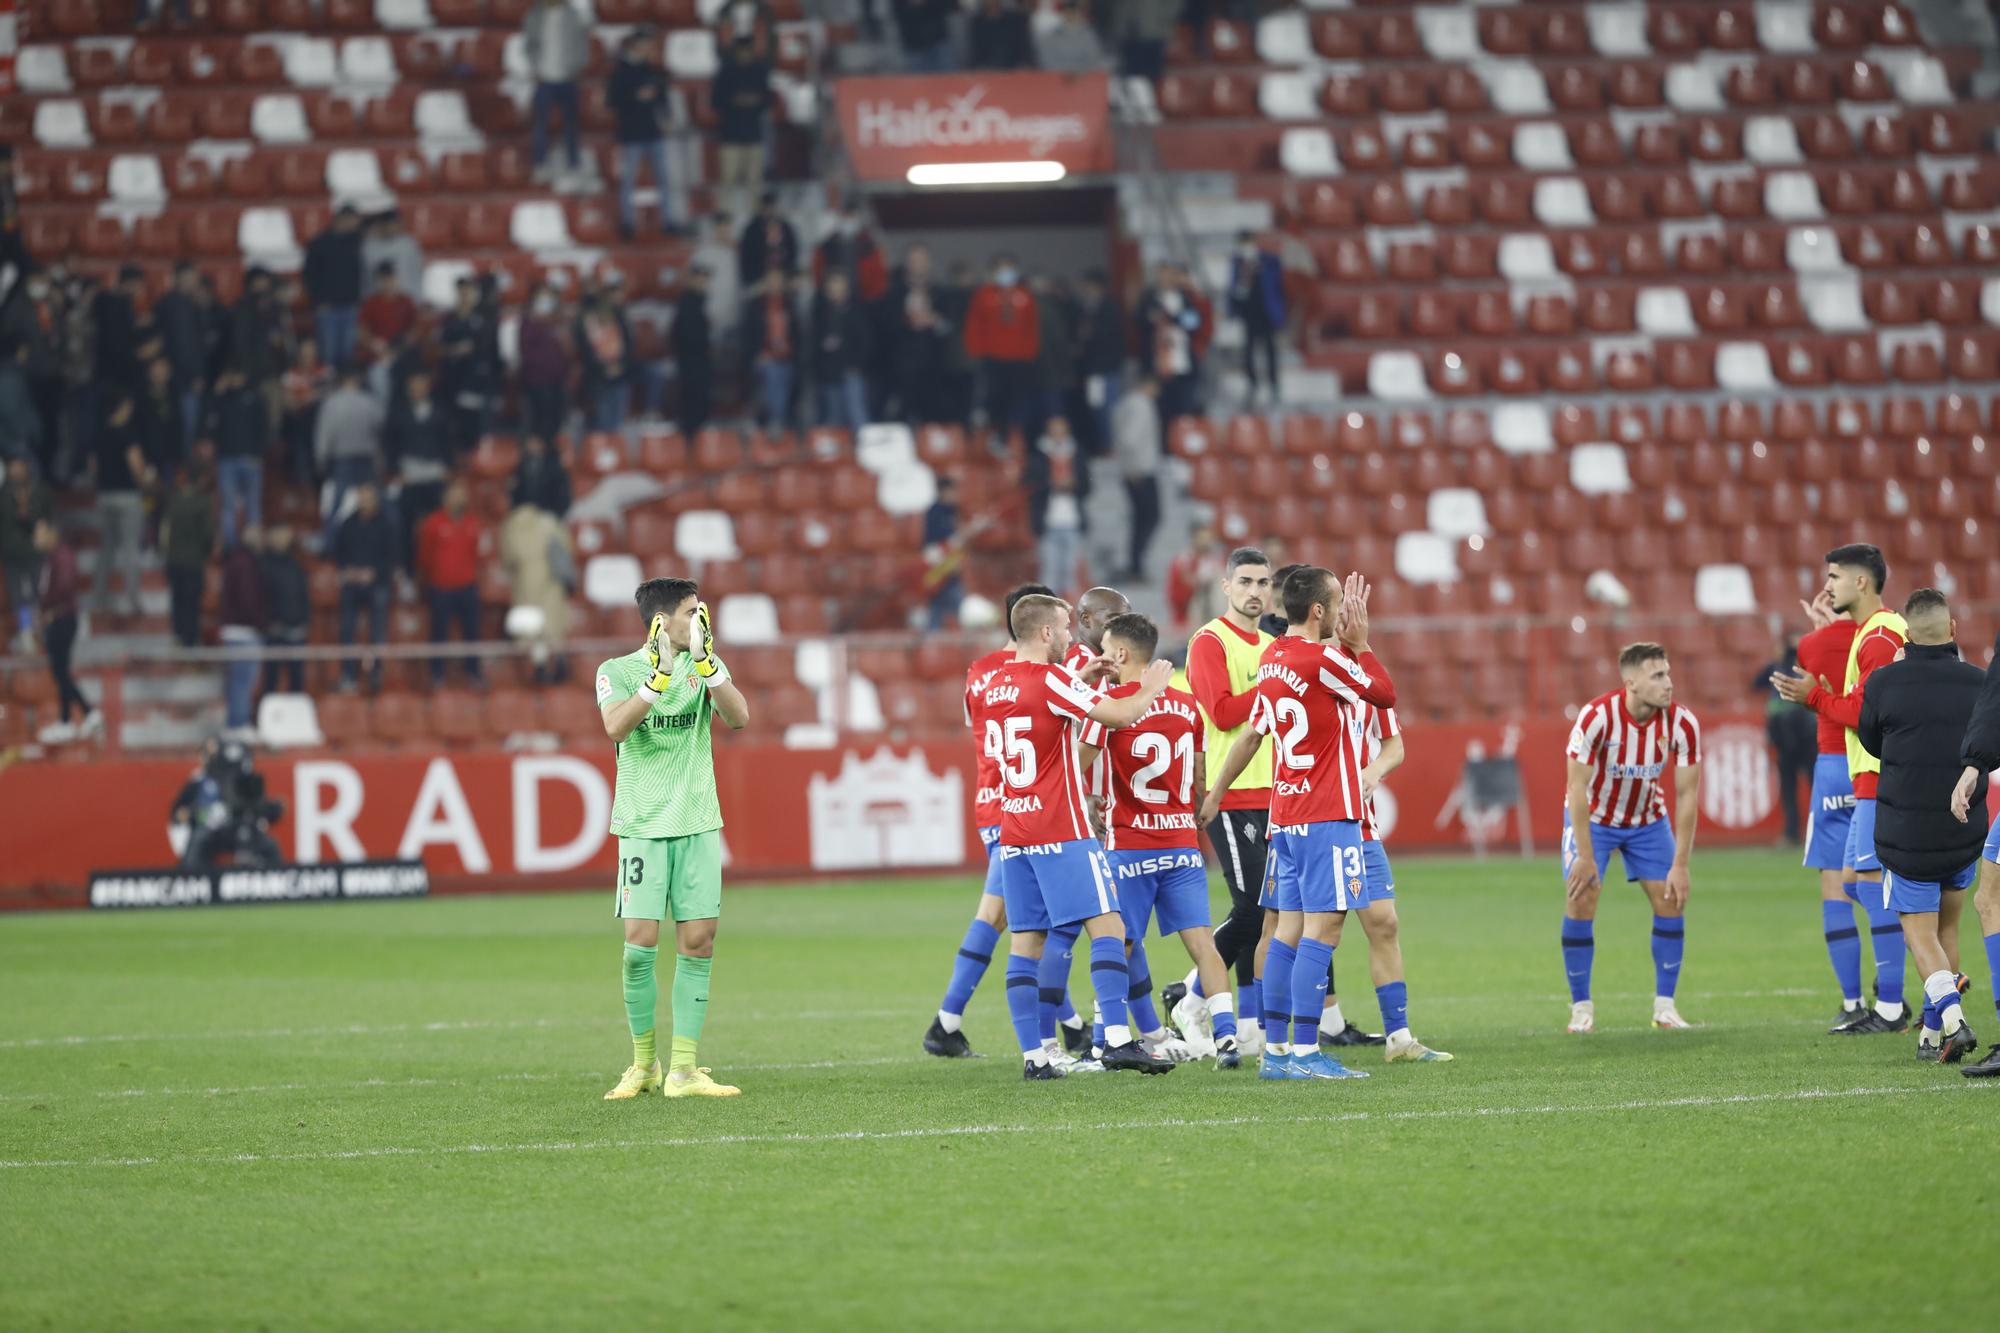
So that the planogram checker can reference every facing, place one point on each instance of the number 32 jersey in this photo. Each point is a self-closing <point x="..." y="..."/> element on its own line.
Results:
<point x="1152" y="773"/>
<point x="1308" y="701"/>
<point x="1031" y="713"/>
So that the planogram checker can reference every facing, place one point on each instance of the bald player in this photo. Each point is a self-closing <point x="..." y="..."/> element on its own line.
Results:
<point x="1094" y="610"/>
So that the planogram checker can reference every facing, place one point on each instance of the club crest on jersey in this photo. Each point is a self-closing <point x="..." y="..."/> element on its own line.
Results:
<point x="1635" y="770"/>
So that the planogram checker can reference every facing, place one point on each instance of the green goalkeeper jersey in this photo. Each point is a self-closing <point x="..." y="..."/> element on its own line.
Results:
<point x="666" y="767"/>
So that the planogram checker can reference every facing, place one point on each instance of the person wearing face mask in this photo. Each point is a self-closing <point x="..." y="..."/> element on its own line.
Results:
<point x="1003" y="337"/>
<point x="850" y="249"/>
<point x="1257" y="297"/>
<point x="1173" y="330"/>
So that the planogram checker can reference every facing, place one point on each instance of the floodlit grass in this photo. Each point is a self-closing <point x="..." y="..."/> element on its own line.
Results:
<point x="388" y="1116"/>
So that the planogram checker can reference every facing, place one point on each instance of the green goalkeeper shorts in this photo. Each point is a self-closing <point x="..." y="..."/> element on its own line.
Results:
<point x="679" y="878"/>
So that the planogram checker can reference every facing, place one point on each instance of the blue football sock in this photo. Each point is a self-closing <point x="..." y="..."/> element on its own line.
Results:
<point x="1395" y="1001"/>
<point x="1933" y="1019"/>
<point x="1852" y="890"/>
<point x="1278" y="992"/>
<point x="1669" y="939"/>
<point x="1021" y="1004"/>
<point x="1250" y="998"/>
<point x="1221" y="1022"/>
<point x="1309" y="991"/>
<point x="1108" y="979"/>
<point x="1885" y="928"/>
<point x="1097" y="1036"/>
<point x="1139" y="990"/>
<point x="975" y="953"/>
<point x="1579" y="943"/>
<point x="1053" y="977"/>
<point x="1993" y="967"/>
<point x="1843" y="946"/>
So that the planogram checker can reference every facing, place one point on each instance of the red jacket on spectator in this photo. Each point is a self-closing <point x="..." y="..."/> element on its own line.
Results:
<point x="388" y="317"/>
<point x="448" y="550"/>
<point x="1002" y="324"/>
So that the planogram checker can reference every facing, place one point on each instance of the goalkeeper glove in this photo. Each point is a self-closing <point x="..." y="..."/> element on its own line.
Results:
<point x="701" y="643"/>
<point x="655" y="684"/>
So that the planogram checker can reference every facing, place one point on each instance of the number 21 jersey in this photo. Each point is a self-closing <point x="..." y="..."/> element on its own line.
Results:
<point x="1152" y="773"/>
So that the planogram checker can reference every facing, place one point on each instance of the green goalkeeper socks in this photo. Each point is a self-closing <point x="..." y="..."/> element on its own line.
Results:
<point x="690" y="1006"/>
<point x="642" y="998"/>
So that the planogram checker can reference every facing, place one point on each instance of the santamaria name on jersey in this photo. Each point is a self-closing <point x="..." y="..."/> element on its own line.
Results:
<point x="1279" y="671"/>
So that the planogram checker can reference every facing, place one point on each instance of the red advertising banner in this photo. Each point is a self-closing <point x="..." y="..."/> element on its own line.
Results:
<point x="494" y="819"/>
<point x="893" y="124"/>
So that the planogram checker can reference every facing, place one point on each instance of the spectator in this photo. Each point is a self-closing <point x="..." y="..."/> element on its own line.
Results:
<point x="187" y="539"/>
<point x="1142" y="29"/>
<point x="304" y="385"/>
<point x="182" y="318"/>
<point x="34" y="323"/>
<point x="535" y="552"/>
<point x="1071" y="46"/>
<point x="347" y="440"/>
<point x="1058" y="484"/>
<point x="256" y="345"/>
<point x="237" y="424"/>
<point x="288" y="606"/>
<point x="24" y="503"/>
<point x="367" y="551"/>
<point x="850" y="248"/>
<point x="448" y="567"/>
<point x="958" y="386"/>
<point x="333" y="285"/>
<point x="468" y="378"/>
<point x="1003" y="336"/>
<point x="87" y="400"/>
<point x="156" y="415"/>
<point x="541" y="481"/>
<point x="944" y="556"/>
<point x="544" y="372"/>
<point x="747" y="21"/>
<point x="244" y="607"/>
<point x="1194" y="580"/>
<point x="773" y="343"/>
<point x="924" y="27"/>
<point x="605" y="346"/>
<point x="1791" y="730"/>
<point x="741" y="98"/>
<point x="998" y="37"/>
<point x="558" y="47"/>
<point x="1100" y="341"/>
<point x="1172" y="327"/>
<point x="840" y="350"/>
<point x="387" y="242"/>
<point x="1257" y="297"/>
<point x="694" y="367"/>
<point x="417" y="445"/>
<point x="918" y="339"/>
<point x="116" y="329"/>
<point x="768" y="248"/>
<point x="1056" y="362"/>
<point x="57" y="595"/>
<point x="1135" y="447"/>
<point x="20" y="421"/>
<point x="639" y="98"/>
<point x="387" y="317"/>
<point x="123" y="474"/>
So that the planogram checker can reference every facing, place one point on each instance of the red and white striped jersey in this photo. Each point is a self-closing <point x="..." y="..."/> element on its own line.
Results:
<point x="1628" y="757"/>
<point x="1307" y="697"/>
<point x="1078" y="657"/>
<point x="1098" y="779"/>
<point x="986" y="802"/>
<point x="1151" y="769"/>
<point x="1376" y="726"/>
<point x="1031" y="712"/>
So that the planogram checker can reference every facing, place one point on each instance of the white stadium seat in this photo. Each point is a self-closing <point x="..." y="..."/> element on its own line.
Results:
<point x="288" y="721"/>
<point x="135" y="179"/>
<point x="908" y="488"/>
<point x="1456" y="511"/>
<point x="310" y="62"/>
<point x="704" y="534"/>
<point x="1397" y="377"/>
<point x="1920" y="81"/>
<point x="441" y="281"/>
<point x="1618" y="30"/>
<point x="354" y="176"/>
<point x="1792" y="196"/>
<point x="1724" y="590"/>
<point x="540" y="225"/>
<point x="367" y="60"/>
<point x="41" y="70"/>
<point x="1599" y="469"/>
<point x="884" y="445"/>
<point x="1694" y="88"/>
<point x="1516" y="87"/>
<point x="1561" y="201"/>
<point x="1785" y="28"/>
<point x="61" y="124"/>
<point x="442" y="115"/>
<point x="1284" y="39"/>
<point x="1772" y="141"/>
<point x="1832" y="302"/>
<point x="691" y="53"/>
<point x="404" y="15"/>
<point x="608" y="580"/>
<point x="1527" y="257"/>
<point x="747" y="618"/>
<point x="265" y="237"/>
<point x="1989" y="301"/>
<point x="1814" y="250"/>
<point x="1541" y="145"/>
<point x="1426" y="557"/>
<point x="1523" y="428"/>
<point x="514" y="58"/>
<point x="279" y="118"/>
<point x="1744" y="367"/>
<point x="1287" y="96"/>
<point x="1664" y="312"/>
<point x="1308" y="153"/>
<point x="1449" y="32"/>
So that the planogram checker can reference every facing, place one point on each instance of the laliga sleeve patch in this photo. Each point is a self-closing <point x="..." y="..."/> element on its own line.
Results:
<point x="603" y="687"/>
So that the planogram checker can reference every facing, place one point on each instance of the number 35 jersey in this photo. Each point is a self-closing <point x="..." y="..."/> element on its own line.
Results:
<point x="1152" y="773"/>
<point x="1308" y="701"/>
<point x="1029" y="715"/>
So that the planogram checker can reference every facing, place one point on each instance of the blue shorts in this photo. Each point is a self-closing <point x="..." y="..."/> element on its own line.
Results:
<point x="1992" y="851"/>
<point x="1055" y="884"/>
<point x="1648" y="849"/>
<point x="1920" y="895"/>
<point x="989" y="838"/>
<point x="1375" y="870"/>
<point x="1861" y="836"/>
<point x="1831" y="815"/>
<point x="1171" y="882"/>
<point x="1320" y="867"/>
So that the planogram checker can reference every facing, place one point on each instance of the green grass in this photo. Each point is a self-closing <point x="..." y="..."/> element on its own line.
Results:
<point x="389" y="1115"/>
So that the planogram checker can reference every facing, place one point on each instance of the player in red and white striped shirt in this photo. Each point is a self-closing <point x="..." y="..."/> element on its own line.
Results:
<point x="1618" y="752"/>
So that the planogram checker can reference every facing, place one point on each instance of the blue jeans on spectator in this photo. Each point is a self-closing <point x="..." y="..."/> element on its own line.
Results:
<point x="354" y="599"/>
<point x="551" y="95"/>
<point x="630" y="157"/>
<point x="239" y="678"/>
<point x="1114" y="389"/>
<point x="460" y="606"/>
<point x="774" y="380"/>
<point x="844" y="402"/>
<point x="190" y="419"/>
<point x="239" y="481"/>
<point x="944" y="602"/>
<point x="1061" y="548"/>
<point x="939" y="59"/>
<point x="608" y="405"/>
<point x="336" y="325"/>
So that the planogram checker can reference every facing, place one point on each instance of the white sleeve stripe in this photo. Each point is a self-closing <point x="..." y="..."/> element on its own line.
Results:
<point x="1340" y="687"/>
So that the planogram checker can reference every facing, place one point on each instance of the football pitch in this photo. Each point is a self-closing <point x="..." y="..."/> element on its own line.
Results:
<point x="388" y="1116"/>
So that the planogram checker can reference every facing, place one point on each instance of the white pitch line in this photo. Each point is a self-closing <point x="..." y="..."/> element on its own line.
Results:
<point x="965" y="1131"/>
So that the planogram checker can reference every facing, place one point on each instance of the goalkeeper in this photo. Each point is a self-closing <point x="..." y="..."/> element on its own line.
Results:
<point x="657" y="705"/>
